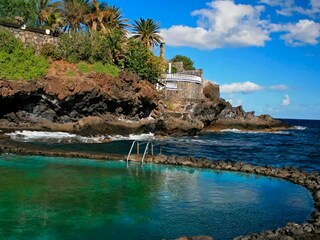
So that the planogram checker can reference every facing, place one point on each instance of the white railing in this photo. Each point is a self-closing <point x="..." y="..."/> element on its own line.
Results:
<point x="146" y="150"/>
<point x="179" y="77"/>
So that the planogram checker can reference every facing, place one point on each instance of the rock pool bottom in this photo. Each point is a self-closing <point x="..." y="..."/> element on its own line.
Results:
<point x="61" y="198"/>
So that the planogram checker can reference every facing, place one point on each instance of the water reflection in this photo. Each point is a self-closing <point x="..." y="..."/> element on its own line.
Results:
<point x="55" y="198"/>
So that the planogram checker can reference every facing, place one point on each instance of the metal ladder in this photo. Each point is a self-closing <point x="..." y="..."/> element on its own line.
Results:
<point x="145" y="150"/>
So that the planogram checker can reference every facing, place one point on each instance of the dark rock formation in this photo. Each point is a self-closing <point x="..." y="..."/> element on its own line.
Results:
<point x="196" y="238"/>
<point x="61" y="101"/>
<point x="97" y="104"/>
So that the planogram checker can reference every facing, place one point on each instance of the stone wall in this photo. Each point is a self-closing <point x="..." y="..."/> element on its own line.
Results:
<point x="31" y="38"/>
<point x="178" y="66"/>
<point x="195" y="72"/>
<point x="186" y="92"/>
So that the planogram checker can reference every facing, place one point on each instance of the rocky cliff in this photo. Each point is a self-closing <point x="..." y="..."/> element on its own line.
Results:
<point x="93" y="103"/>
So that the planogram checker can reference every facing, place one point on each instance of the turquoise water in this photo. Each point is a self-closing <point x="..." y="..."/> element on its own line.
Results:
<point x="57" y="198"/>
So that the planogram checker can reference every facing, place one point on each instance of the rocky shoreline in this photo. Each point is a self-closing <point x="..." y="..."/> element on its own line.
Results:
<point x="309" y="180"/>
<point x="97" y="104"/>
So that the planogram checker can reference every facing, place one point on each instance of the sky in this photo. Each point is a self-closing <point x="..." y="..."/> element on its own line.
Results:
<point x="264" y="54"/>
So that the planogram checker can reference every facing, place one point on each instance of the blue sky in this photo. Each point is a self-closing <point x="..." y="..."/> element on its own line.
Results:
<point x="265" y="54"/>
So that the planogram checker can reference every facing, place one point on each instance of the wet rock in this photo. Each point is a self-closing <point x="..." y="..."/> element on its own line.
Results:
<point x="49" y="115"/>
<point x="196" y="238"/>
<point x="317" y="195"/>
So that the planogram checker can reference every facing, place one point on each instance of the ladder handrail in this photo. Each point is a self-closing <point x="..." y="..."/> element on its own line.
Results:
<point x="145" y="151"/>
<point x="131" y="150"/>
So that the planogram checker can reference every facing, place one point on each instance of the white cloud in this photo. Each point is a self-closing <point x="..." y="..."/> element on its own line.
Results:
<point x="302" y="33"/>
<point x="222" y="24"/>
<point x="280" y="87"/>
<point x="286" y="101"/>
<point x="288" y="7"/>
<point x="228" y="24"/>
<point x="246" y="87"/>
<point x="277" y="2"/>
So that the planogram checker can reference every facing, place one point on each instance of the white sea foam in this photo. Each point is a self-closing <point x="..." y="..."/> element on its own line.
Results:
<point x="146" y="136"/>
<point x="233" y="130"/>
<point x="64" y="137"/>
<point x="300" y="128"/>
<point x="42" y="136"/>
<point x="253" y="132"/>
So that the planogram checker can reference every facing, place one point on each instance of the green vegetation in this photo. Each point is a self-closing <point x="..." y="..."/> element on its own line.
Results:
<point x="187" y="62"/>
<point x="83" y="67"/>
<point x="98" y="67"/>
<point x="106" y="68"/>
<point x="70" y="73"/>
<point x="142" y="61"/>
<point x="48" y="50"/>
<point x="96" y="36"/>
<point x="10" y="9"/>
<point x="74" y="47"/>
<point x="147" y="31"/>
<point x="46" y="12"/>
<point x="18" y="62"/>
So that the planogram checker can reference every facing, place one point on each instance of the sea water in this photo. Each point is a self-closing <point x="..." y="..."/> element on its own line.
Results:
<point x="60" y="198"/>
<point x="298" y="147"/>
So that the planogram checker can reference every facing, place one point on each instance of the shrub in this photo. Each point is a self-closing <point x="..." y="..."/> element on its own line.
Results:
<point x="105" y="48"/>
<point x="8" y="43"/>
<point x="49" y="50"/>
<point x="142" y="61"/>
<point x="9" y="9"/>
<point x="187" y="62"/>
<point x="74" y="47"/>
<point x="100" y="49"/>
<point x="18" y="62"/>
<point x="22" y="64"/>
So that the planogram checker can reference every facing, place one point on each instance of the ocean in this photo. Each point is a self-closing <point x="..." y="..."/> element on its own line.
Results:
<point x="64" y="198"/>
<point x="298" y="147"/>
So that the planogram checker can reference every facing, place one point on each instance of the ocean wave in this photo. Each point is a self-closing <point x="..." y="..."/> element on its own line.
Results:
<point x="52" y="137"/>
<point x="233" y="130"/>
<point x="64" y="137"/>
<point x="300" y="128"/>
<point x="253" y="132"/>
<point x="139" y="137"/>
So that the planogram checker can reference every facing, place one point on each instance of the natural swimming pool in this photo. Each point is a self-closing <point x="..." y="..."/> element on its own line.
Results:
<point x="60" y="198"/>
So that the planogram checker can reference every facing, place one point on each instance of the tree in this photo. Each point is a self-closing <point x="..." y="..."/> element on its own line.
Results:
<point x="73" y="12"/>
<point x="147" y="31"/>
<point x="142" y="61"/>
<point x="46" y="11"/>
<point x="187" y="62"/>
<point x="115" y="21"/>
<point x="105" y="18"/>
<point x="9" y="9"/>
<point x="95" y="18"/>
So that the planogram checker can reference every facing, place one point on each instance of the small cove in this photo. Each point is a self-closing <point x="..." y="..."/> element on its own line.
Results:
<point x="60" y="198"/>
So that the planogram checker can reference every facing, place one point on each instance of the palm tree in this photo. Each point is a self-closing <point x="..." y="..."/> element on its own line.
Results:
<point x="94" y="19"/>
<point x="115" y="21"/>
<point x="105" y="18"/>
<point x="147" y="31"/>
<point x="73" y="12"/>
<point x="44" y="10"/>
